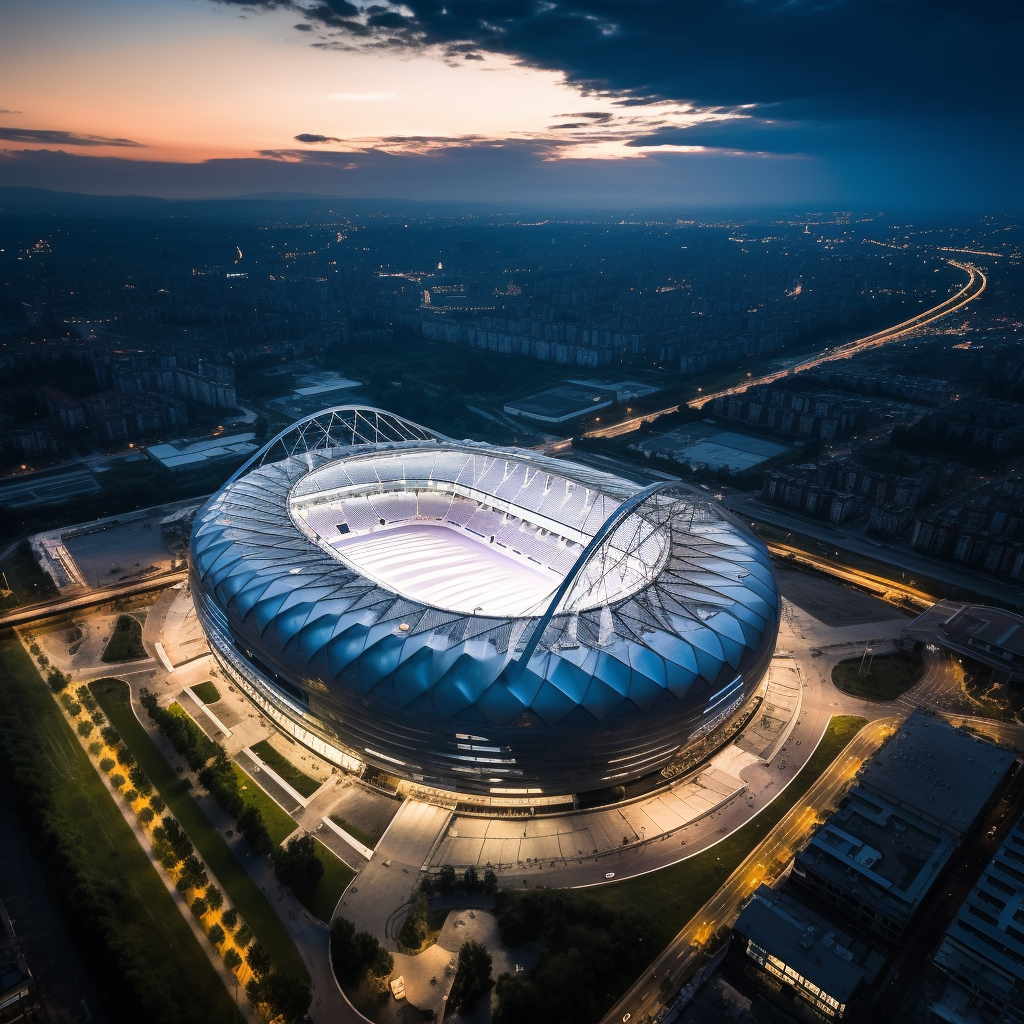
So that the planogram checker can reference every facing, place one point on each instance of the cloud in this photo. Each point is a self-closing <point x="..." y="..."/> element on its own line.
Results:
<point x="315" y="140"/>
<point x="49" y="136"/>
<point x="897" y="71"/>
<point x="10" y="111"/>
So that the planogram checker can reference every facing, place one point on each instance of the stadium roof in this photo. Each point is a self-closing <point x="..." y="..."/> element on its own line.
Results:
<point x="668" y="593"/>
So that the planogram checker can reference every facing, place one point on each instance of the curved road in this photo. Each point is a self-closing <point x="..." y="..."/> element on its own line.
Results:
<point x="975" y="285"/>
<point x="762" y="865"/>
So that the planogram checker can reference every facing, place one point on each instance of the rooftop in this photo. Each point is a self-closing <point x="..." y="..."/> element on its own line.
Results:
<point x="808" y="943"/>
<point x="567" y="401"/>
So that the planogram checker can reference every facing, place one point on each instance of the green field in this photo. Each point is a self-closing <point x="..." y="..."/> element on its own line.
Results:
<point x="884" y="678"/>
<point x="355" y="831"/>
<point x="671" y="896"/>
<point x="125" y="643"/>
<point x="324" y="898"/>
<point x="295" y="777"/>
<point x="25" y="578"/>
<point x="207" y="692"/>
<point x="279" y="823"/>
<point x="128" y="929"/>
<point x="241" y="891"/>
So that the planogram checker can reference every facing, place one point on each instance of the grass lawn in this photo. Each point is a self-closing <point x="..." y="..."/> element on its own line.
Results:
<point x="242" y="892"/>
<point x="207" y="692"/>
<point x="26" y="578"/>
<point x="355" y="831"/>
<point x="295" y="777"/>
<point x="102" y="849"/>
<point x="671" y="896"/>
<point x="279" y="823"/>
<point x="324" y="898"/>
<point x="889" y="676"/>
<point x="125" y="643"/>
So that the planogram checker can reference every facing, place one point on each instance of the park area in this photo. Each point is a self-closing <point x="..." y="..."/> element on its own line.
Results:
<point x="883" y="677"/>
<point x="125" y="643"/>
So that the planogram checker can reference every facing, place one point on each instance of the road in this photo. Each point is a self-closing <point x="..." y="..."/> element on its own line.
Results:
<point x="975" y="285"/>
<point x="879" y="586"/>
<point x="47" y="609"/>
<point x="913" y="562"/>
<point x="762" y="865"/>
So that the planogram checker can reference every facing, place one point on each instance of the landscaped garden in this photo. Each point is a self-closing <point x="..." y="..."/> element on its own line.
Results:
<point x="882" y="677"/>
<point x="295" y="777"/>
<point x="127" y="928"/>
<point x="125" y="643"/>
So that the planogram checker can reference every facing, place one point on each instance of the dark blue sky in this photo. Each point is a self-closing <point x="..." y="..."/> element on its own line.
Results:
<point x="860" y="103"/>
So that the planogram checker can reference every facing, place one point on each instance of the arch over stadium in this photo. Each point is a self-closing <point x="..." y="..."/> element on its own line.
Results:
<point x="474" y="619"/>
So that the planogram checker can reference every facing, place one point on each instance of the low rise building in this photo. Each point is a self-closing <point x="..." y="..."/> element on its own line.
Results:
<point x="817" y="970"/>
<point x="879" y="855"/>
<point x="992" y="636"/>
<point x="983" y="950"/>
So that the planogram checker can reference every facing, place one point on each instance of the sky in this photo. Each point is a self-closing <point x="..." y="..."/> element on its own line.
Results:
<point x="894" y="104"/>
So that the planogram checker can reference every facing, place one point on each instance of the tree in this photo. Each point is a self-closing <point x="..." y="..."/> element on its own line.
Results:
<point x="490" y="881"/>
<point x="373" y="956"/>
<point x="251" y="825"/>
<point x="95" y="747"/>
<point x="472" y="976"/>
<point x="117" y="780"/>
<point x="157" y="803"/>
<point x="285" y="996"/>
<point x="110" y="736"/>
<point x="131" y="795"/>
<point x="354" y="955"/>
<point x="258" y="960"/>
<point x="297" y="864"/>
<point x="140" y="780"/>
<point x="230" y="918"/>
<point x="193" y="875"/>
<point x="56" y="679"/>
<point x="125" y="756"/>
<point x="200" y="906"/>
<point x="216" y="934"/>
<point x="214" y="897"/>
<point x="470" y="881"/>
<point x="85" y="727"/>
<point x="146" y="815"/>
<point x="416" y="926"/>
<point x="446" y="881"/>
<point x="107" y="764"/>
<point x="231" y="958"/>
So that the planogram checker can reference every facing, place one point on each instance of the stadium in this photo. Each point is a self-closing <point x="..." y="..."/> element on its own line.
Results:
<point x="477" y="620"/>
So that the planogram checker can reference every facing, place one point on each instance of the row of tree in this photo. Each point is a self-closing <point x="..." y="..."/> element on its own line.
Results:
<point x="213" y="766"/>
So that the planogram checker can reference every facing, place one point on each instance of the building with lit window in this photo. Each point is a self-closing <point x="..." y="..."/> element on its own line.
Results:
<point x="983" y="951"/>
<point x="818" y="971"/>
<point x="475" y="619"/>
<point x="879" y="855"/>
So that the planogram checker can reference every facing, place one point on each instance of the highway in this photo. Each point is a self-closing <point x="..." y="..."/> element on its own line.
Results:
<point x="975" y="285"/>
<point x="914" y="563"/>
<point x="47" y="609"/>
<point x="763" y="864"/>
<point x="883" y="589"/>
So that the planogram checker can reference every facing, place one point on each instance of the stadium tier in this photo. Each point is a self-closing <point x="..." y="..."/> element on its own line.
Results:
<point x="474" y="619"/>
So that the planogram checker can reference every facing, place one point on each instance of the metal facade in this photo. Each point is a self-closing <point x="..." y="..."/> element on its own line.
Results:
<point x="612" y="682"/>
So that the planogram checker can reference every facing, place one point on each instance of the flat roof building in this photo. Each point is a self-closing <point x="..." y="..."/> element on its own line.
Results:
<point x="821" y="970"/>
<point x="991" y="636"/>
<point x="567" y="401"/>
<point x="878" y="856"/>
<point x="983" y="951"/>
